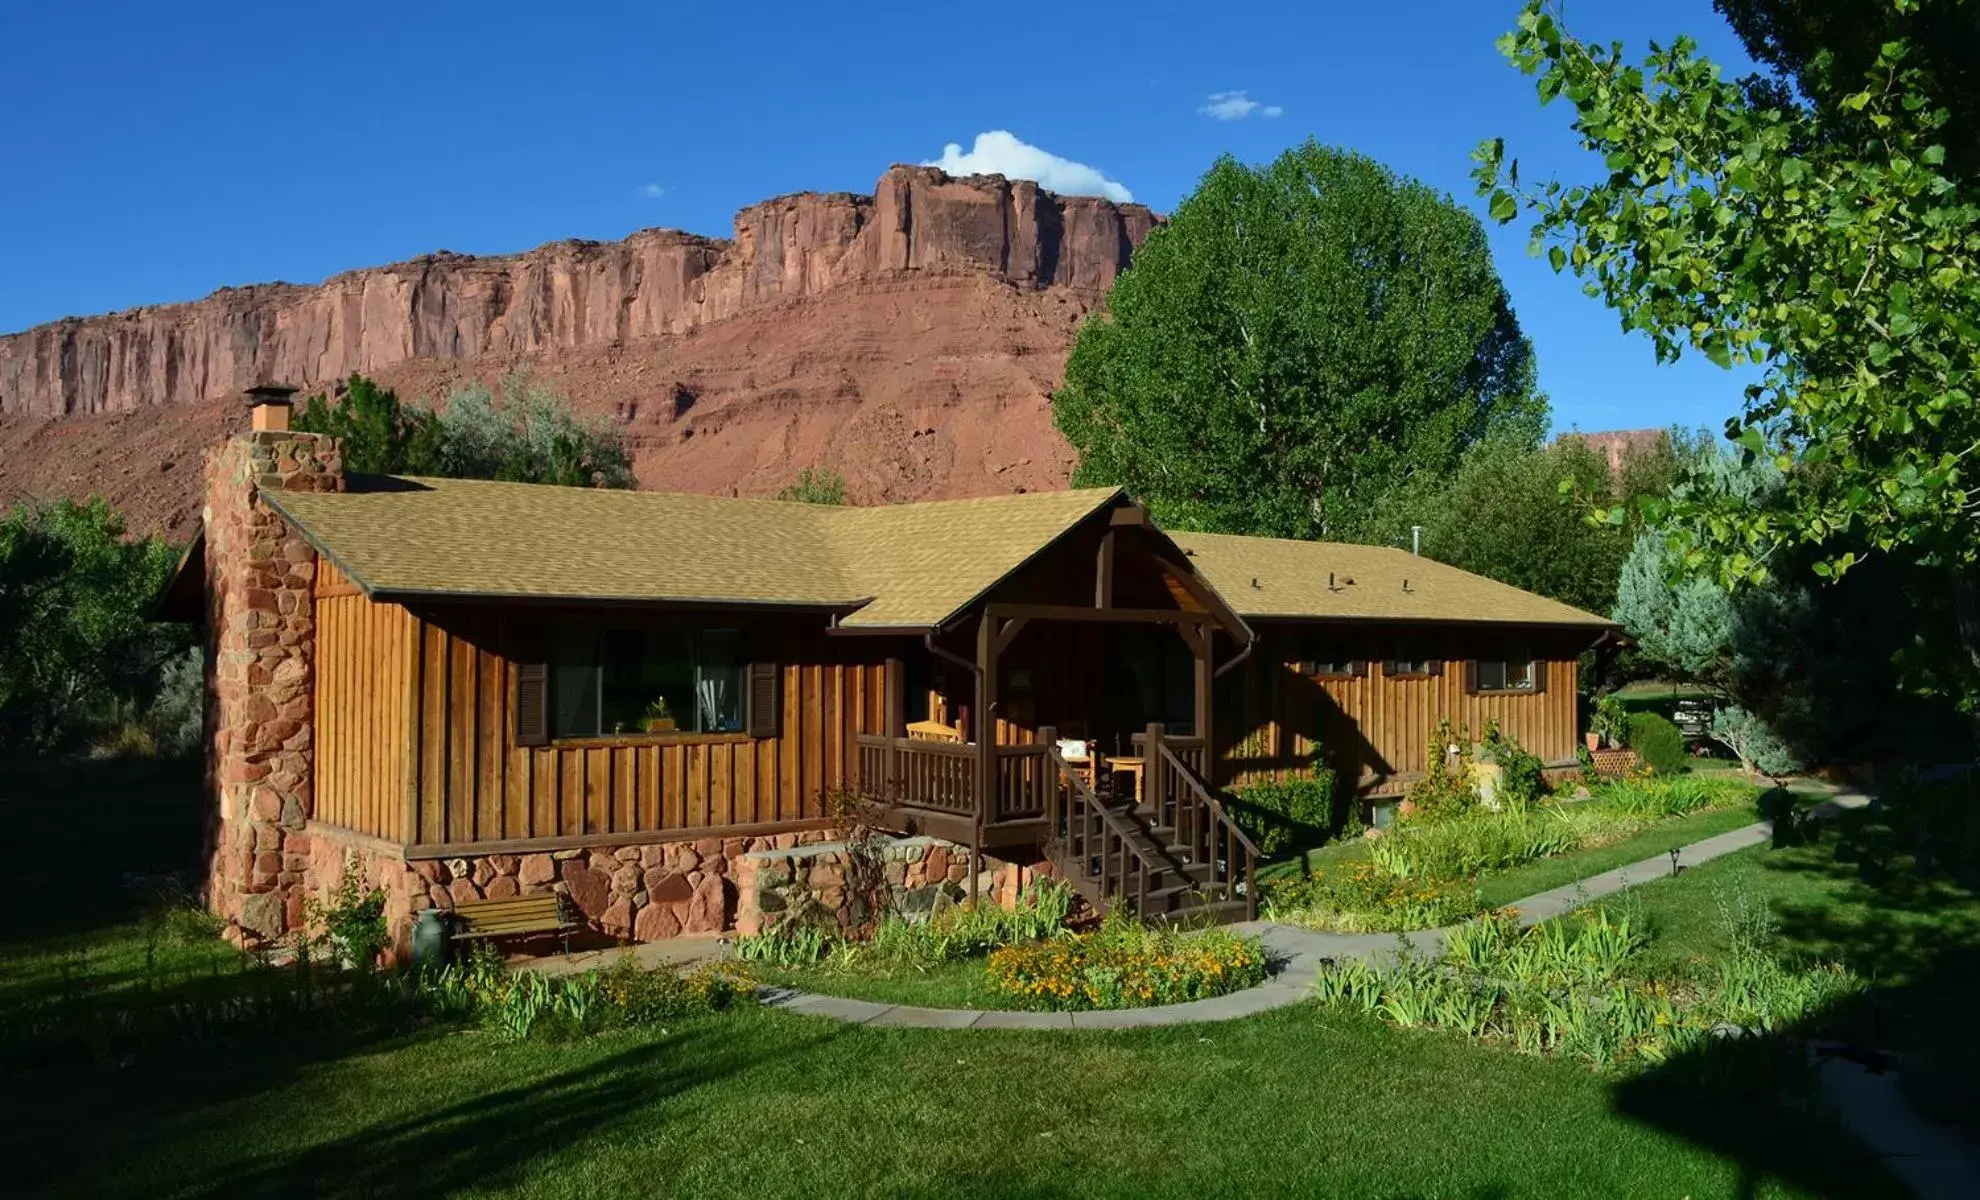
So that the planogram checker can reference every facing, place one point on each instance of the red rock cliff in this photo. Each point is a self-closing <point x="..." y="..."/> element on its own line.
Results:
<point x="570" y="295"/>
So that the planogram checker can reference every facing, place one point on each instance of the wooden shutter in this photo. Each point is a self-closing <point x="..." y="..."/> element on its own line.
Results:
<point x="1471" y="676"/>
<point x="1433" y="666"/>
<point x="532" y="704"/>
<point x="1358" y="668"/>
<point x="1539" y="675"/>
<point x="763" y="700"/>
<point x="1389" y="667"/>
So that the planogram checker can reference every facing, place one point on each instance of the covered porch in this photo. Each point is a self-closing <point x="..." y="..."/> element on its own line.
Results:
<point x="1069" y="710"/>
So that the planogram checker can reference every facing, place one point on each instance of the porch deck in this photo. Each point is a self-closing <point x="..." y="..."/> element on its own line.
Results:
<point x="1164" y="847"/>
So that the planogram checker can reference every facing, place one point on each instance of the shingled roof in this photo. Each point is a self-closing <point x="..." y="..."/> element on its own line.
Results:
<point x="907" y="566"/>
<point x="1276" y="577"/>
<point x="901" y="566"/>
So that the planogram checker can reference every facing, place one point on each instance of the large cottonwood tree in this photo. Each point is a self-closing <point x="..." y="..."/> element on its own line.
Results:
<point x="1300" y="341"/>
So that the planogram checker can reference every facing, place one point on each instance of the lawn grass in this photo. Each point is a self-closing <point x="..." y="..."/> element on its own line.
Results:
<point x="963" y="984"/>
<point x="1302" y="1101"/>
<point x="1498" y="888"/>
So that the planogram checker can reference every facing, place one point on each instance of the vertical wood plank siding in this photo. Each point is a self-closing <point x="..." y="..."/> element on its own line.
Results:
<point x="1373" y="729"/>
<point x="474" y="784"/>
<point x="364" y="669"/>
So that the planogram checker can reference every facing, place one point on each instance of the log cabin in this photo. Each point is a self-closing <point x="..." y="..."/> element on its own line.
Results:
<point x="479" y="689"/>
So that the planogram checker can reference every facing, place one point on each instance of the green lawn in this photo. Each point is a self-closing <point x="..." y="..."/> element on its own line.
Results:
<point x="761" y="1103"/>
<point x="1504" y="887"/>
<point x="1302" y="1101"/>
<point x="952" y="985"/>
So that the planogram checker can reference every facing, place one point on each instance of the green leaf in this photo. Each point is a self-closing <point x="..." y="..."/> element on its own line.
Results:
<point x="1504" y="206"/>
<point x="1557" y="257"/>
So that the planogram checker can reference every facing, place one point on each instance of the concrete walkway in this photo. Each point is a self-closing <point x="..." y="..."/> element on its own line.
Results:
<point x="1297" y="954"/>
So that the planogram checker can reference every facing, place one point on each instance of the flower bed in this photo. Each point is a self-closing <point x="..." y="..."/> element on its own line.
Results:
<point x="1123" y="965"/>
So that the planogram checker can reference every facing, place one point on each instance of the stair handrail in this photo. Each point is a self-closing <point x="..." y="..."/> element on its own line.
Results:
<point x="1119" y="826"/>
<point x="1206" y="797"/>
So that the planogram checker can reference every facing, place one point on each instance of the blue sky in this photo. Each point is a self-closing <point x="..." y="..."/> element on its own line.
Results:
<point x="160" y="152"/>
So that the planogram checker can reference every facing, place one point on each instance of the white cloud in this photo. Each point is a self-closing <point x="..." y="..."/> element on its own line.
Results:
<point x="1236" y="106"/>
<point x="652" y="191"/>
<point x="999" y="153"/>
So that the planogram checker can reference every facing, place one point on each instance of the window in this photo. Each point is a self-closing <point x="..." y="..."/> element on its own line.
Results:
<point x="1413" y="656"/>
<point x="1515" y="671"/>
<point x="606" y="681"/>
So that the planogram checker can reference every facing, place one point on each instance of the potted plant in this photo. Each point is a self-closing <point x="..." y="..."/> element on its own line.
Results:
<point x="658" y="718"/>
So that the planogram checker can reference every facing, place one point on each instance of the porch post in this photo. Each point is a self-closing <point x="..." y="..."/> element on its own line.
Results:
<point x="1151" y="770"/>
<point x="1200" y="648"/>
<point x="986" y="736"/>
<point x="896" y="685"/>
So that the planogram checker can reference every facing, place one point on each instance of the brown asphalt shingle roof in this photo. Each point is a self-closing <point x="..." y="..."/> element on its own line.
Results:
<point x="1335" y="579"/>
<point x="898" y="566"/>
<point x="902" y="566"/>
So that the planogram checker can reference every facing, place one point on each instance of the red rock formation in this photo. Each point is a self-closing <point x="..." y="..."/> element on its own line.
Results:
<point x="568" y="295"/>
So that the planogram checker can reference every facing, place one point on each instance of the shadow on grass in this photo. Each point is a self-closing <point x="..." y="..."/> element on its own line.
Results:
<point x="92" y="840"/>
<point x="1852" y="894"/>
<point x="155" y="1128"/>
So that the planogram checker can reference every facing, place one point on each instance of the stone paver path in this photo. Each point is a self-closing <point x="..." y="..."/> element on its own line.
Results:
<point x="1298" y="954"/>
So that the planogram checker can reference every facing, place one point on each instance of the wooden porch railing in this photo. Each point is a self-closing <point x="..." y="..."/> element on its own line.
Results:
<point x="923" y="773"/>
<point x="917" y="771"/>
<point x="1025" y="779"/>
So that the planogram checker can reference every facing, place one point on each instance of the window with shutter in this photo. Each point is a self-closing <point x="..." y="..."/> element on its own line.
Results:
<point x="532" y="704"/>
<point x="763" y="700"/>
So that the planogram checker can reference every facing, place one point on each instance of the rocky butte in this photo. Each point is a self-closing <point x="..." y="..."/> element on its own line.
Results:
<point x="908" y="339"/>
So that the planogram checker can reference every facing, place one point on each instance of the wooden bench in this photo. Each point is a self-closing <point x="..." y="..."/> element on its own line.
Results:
<point x="517" y="916"/>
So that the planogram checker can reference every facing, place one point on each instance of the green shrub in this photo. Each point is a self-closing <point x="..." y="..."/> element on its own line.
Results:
<point x="1470" y="844"/>
<point x="1447" y="788"/>
<point x="1287" y="814"/>
<point x="1124" y="964"/>
<point x="820" y="486"/>
<point x="1611" y="719"/>
<point x="352" y="919"/>
<point x="1521" y="777"/>
<point x="1756" y="745"/>
<point x="1657" y="742"/>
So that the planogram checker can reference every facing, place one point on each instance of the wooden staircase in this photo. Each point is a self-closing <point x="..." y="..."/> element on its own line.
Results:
<point x="1177" y="856"/>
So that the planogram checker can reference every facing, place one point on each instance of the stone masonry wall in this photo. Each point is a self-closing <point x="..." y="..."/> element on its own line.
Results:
<point x="640" y="893"/>
<point x="917" y="877"/>
<point x="260" y="576"/>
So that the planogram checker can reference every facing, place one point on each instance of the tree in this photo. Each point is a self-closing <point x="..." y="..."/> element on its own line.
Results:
<point x="1295" y="346"/>
<point x="1831" y="246"/>
<point x="1512" y="514"/>
<point x="822" y="486"/>
<point x="75" y="605"/>
<point x="380" y="435"/>
<point x="1820" y="50"/>
<point x="527" y="434"/>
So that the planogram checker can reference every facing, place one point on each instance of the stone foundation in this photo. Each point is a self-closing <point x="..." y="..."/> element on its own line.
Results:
<point x="639" y="893"/>
<point x="910" y="877"/>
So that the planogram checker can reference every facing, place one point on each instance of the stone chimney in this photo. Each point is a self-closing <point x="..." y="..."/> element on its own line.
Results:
<point x="260" y="628"/>
<point x="270" y="407"/>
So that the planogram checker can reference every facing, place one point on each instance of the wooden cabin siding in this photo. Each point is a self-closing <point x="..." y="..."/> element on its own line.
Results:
<point x="1373" y="729"/>
<point x="363" y="699"/>
<point x="475" y="785"/>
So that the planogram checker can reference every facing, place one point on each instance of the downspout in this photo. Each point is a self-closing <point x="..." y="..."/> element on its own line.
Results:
<point x="1237" y="658"/>
<point x="982" y="747"/>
